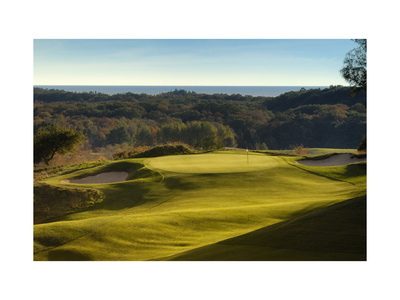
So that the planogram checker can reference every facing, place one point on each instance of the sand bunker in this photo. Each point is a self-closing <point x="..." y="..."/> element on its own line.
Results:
<point x="334" y="160"/>
<point x="107" y="177"/>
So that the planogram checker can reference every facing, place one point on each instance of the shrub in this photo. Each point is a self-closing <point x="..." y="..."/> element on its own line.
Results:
<point x="300" y="150"/>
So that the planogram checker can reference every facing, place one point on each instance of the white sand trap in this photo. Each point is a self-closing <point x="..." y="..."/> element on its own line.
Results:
<point x="107" y="177"/>
<point x="334" y="160"/>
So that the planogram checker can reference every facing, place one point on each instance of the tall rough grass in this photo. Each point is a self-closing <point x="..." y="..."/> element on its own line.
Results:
<point x="52" y="201"/>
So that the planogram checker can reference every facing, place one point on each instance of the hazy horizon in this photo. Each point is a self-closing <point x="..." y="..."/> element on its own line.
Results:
<point x="255" y="91"/>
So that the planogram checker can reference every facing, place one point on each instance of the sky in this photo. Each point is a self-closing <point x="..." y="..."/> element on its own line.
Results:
<point x="192" y="62"/>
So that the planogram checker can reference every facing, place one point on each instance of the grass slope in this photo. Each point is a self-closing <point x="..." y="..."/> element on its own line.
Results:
<point x="321" y="151"/>
<point x="182" y="203"/>
<point x="337" y="232"/>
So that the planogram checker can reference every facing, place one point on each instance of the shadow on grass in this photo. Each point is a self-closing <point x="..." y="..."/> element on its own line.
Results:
<point x="68" y="255"/>
<point x="336" y="232"/>
<point x="120" y="196"/>
<point x="337" y="228"/>
<point x="180" y="183"/>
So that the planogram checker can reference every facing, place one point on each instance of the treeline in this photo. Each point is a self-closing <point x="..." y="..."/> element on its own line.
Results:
<point x="313" y="118"/>
<point x="331" y="96"/>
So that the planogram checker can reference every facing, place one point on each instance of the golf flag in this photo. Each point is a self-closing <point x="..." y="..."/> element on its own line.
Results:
<point x="247" y="149"/>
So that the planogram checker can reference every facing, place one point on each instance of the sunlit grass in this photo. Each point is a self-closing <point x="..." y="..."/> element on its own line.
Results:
<point x="197" y="200"/>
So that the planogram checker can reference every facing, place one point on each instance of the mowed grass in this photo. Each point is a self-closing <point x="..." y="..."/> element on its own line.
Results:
<point x="321" y="151"/>
<point x="187" y="202"/>
<point x="336" y="232"/>
<point x="214" y="163"/>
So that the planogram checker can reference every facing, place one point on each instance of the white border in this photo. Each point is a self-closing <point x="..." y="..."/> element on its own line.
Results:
<point x="24" y="21"/>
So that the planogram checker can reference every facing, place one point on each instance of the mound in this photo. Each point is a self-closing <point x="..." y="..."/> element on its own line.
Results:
<point x="164" y="150"/>
<point x="333" y="160"/>
<point x="53" y="201"/>
<point x="155" y="152"/>
<point x="107" y="177"/>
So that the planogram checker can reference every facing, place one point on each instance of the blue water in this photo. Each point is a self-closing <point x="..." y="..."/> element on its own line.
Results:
<point x="266" y="91"/>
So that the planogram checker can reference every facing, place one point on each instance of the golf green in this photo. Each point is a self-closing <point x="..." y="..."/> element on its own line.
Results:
<point x="214" y="163"/>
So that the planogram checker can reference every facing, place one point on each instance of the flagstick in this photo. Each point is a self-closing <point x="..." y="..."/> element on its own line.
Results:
<point x="247" y="151"/>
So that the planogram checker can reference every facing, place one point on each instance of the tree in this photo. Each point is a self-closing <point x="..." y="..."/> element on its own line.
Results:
<point x="144" y="137"/>
<point x="209" y="142"/>
<point x="54" y="139"/>
<point x="118" y="135"/>
<point x="354" y="70"/>
<point x="363" y="145"/>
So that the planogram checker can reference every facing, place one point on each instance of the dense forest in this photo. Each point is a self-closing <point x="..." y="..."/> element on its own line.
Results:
<point x="328" y="118"/>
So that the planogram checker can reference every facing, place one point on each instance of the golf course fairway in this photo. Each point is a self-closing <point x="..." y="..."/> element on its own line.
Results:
<point x="223" y="205"/>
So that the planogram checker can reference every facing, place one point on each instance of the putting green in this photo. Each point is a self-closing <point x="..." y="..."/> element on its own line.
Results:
<point x="214" y="163"/>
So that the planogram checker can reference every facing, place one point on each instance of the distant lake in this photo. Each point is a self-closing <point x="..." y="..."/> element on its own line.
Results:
<point x="266" y="91"/>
